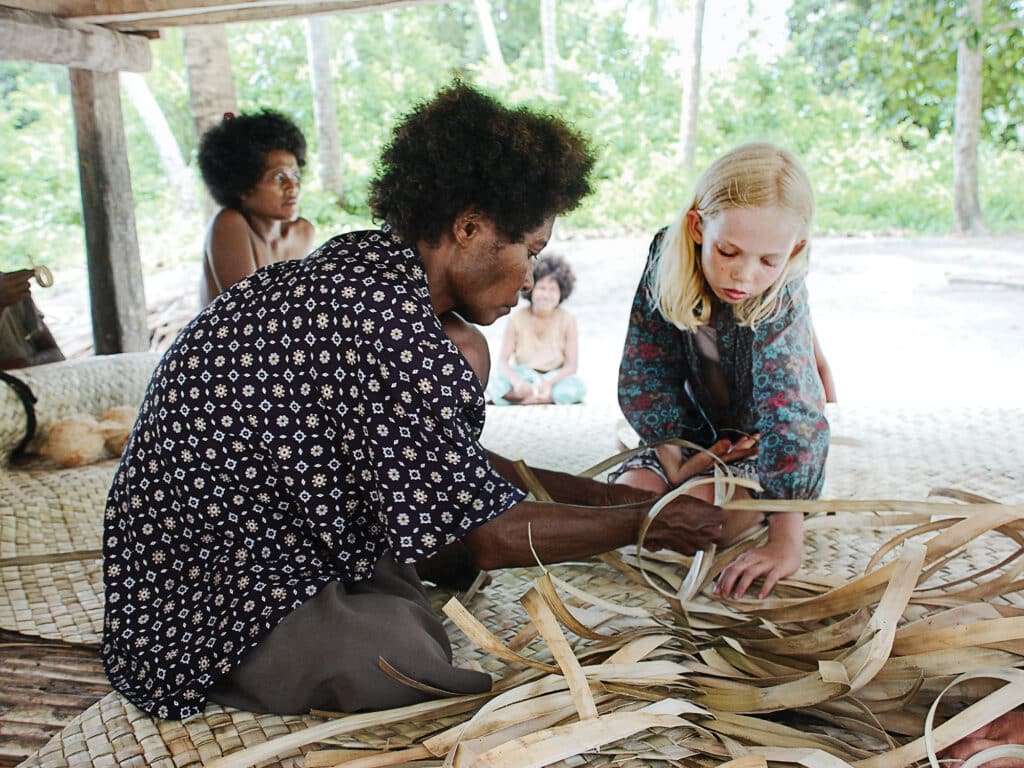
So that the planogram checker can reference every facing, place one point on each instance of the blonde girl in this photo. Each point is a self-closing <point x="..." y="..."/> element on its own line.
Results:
<point x="720" y="351"/>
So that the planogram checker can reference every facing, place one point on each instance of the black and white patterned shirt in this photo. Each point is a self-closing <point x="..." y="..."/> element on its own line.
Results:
<point x="311" y="418"/>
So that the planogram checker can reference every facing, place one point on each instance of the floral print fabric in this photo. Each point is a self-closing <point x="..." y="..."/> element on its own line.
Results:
<point x="311" y="418"/>
<point x="772" y="380"/>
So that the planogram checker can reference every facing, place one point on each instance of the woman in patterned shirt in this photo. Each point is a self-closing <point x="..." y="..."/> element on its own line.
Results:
<point x="720" y="351"/>
<point x="315" y="432"/>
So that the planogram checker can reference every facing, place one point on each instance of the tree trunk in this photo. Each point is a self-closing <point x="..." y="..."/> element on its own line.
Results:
<point x="550" y="42"/>
<point x="691" y="91"/>
<point x="483" y="12"/>
<point x="177" y="173"/>
<point x="967" y="125"/>
<point x="325" y="110"/>
<point x="211" y="85"/>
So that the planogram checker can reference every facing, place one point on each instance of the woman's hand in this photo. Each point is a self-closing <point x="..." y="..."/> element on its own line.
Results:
<point x="543" y="391"/>
<point x="686" y="525"/>
<point x="521" y="390"/>
<point x="778" y="558"/>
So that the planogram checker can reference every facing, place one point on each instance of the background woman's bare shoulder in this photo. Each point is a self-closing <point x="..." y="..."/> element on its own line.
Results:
<point x="301" y="237"/>
<point x="227" y="223"/>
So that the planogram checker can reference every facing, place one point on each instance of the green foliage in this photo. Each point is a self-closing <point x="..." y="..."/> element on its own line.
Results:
<point x="41" y="216"/>
<point x="901" y="56"/>
<point x="864" y="97"/>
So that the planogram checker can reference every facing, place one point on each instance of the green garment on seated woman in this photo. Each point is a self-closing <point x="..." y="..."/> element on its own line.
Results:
<point x="566" y="391"/>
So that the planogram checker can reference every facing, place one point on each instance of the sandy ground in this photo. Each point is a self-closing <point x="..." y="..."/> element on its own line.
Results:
<point x="922" y="322"/>
<point x="903" y="322"/>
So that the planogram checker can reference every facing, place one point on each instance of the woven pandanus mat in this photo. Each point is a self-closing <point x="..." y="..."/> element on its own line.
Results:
<point x="60" y="601"/>
<point x="905" y="453"/>
<point x="51" y="527"/>
<point x="876" y="453"/>
<point x="71" y="387"/>
<point x="50" y="511"/>
<point x="114" y="732"/>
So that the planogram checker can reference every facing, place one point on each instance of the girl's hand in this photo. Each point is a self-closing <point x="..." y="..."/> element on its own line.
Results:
<point x="777" y="559"/>
<point x="678" y="471"/>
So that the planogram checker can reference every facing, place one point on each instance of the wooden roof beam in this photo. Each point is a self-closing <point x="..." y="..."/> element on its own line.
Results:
<point x="29" y="36"/>
<point x="160" y="14"/>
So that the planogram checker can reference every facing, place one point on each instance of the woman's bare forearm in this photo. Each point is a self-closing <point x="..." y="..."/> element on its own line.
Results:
<point x="570" y="489"/>
<point x="557" y="532"/>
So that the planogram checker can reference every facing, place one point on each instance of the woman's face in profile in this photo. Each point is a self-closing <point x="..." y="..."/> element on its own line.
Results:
<point x="491" y="276"/>
<point x="276" y="194"/>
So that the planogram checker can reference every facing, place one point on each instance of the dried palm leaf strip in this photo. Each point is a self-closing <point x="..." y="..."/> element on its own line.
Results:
<point x="978" y="714"/>
<point x="533" y="485"/>
<point x="987" y="756"/>
<point x="483" y="637"/>
<point x="871" y="505"/>
<point x="985" y="633"/>
<point x="864" y="590"/>
<point x="553" y="744"/>
<point x="761" y="732"/>
<point x="813" y="643"/>
<point x="348" y="724"/>
<point x="50" y="558"/>
<point x="547" y="624"/>
<point x="809" y="758"/>
<point x="961" y="495"/>
<point x="859" y="666"/>
<point x="358" y="758"/>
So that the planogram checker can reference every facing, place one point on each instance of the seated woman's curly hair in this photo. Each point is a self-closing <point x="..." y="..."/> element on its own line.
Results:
<point x="553" y="265"/>
<point x="233" y="153"/>
<point x="462" y="149"/>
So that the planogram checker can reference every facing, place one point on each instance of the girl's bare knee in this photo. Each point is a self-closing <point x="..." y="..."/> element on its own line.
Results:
<point x="644" y="479"/>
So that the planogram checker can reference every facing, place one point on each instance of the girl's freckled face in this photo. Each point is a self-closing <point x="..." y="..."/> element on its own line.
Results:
<point x="744" y="250"/>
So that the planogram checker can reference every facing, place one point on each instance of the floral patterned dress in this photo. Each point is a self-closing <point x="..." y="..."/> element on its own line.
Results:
<point x="770" y="374"/>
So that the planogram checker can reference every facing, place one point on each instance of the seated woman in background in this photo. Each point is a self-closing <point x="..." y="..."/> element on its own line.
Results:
<point x="252" y="166"/>
<point x="542" y="340"/>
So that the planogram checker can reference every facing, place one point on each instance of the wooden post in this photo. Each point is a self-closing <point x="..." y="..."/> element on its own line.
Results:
<point x="112" y="249"/>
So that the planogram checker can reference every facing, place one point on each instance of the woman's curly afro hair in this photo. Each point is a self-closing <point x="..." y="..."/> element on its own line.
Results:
<point x="233" y="153"/>
<point x="553" y="265"/>
<point x="463" y="149"/>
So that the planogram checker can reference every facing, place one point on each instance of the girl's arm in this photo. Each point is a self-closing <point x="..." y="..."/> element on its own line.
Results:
<point x="229" y="250"/>
<point x="794" y="441"/>
<point x="653" y="369"/>
<point x="790" y="402"/>
<point x="824" y="372"/>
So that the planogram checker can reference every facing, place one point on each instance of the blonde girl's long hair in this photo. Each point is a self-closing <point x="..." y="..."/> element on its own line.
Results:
<point x="754" y="175"/>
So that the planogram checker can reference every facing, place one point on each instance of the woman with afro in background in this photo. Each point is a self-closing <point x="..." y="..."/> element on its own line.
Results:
<point x="252" y="165"/>
<point x="542" y="340"/>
